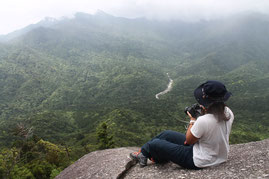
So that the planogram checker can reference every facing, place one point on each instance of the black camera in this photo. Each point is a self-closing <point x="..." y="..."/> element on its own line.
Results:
<point x="195" y="110"/>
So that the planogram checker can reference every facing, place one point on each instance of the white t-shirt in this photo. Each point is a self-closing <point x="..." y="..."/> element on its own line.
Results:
<point x="213" y="145"/>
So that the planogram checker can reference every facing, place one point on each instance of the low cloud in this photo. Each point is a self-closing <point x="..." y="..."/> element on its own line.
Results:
<point x="189" y="9"/>
<point x="15" y="14"/>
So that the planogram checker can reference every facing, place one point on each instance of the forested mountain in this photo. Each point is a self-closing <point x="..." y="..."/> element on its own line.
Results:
<point x="69" y="79"/>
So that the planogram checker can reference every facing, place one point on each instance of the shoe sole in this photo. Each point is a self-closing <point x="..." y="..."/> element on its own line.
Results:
<point x="133" y="158"/>
<point x="137" y="161"/>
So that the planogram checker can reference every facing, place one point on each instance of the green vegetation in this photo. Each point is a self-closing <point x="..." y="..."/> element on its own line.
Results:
<point x="105" y="141"/>
<point x="89" y="83"/>
<point x="32" y="157"/>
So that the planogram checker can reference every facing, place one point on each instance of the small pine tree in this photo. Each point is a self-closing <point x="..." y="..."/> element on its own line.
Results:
<point x="105" y="140"/>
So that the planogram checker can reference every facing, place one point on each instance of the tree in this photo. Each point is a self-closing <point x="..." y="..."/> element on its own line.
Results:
<point x="53" y="153"/>
<point x="13" y="156"/>
<point x="105" y="140"/>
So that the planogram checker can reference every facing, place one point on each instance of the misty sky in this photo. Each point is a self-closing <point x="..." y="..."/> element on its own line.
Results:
<point x="15" y="14"/>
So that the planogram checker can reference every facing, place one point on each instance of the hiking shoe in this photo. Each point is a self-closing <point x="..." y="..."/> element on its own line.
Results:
<point x="139" y="157"/>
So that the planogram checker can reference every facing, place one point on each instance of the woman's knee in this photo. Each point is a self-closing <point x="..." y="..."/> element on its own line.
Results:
<point x="172" y="136"/>
<point x="155" y="144"/>
<point x="170" y="133"/>
<point x="166" y="133"/>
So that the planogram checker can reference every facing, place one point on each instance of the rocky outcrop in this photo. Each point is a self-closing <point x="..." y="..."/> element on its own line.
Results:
<point x="250" y="160"/>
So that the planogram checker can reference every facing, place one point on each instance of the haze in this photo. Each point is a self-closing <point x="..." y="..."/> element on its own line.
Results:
<point x="15" y="14"/>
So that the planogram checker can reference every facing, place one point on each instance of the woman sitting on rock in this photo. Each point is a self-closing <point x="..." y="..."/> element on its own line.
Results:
<point x="206" y="142"/>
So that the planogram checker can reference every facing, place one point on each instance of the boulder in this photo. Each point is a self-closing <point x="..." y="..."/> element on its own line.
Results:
<point x="250" y="160"/>
<point x="110" y="163"/>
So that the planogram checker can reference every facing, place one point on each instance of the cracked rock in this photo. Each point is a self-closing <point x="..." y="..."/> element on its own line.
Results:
<point x="250" y="160"/>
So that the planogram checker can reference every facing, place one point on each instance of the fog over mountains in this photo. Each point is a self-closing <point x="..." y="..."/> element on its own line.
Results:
<point x="64" y="83"/>
<point x="66" y="76"/>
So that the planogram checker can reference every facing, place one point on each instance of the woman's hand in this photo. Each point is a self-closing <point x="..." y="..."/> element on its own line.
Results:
<point x="204" y="111"/>
<point x="192" y="119"/>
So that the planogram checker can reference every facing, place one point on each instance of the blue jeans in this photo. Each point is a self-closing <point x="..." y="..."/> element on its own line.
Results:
<point x="169" y="146"/>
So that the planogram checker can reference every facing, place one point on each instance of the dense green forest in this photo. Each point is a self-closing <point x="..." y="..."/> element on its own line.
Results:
<point x="73" y="86"/>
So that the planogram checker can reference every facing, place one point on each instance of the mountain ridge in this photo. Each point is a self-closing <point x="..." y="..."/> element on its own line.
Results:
<point x="100" y="45"/>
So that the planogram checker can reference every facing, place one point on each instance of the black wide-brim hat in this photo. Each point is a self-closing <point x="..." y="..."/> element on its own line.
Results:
<point x="211" y="92"/>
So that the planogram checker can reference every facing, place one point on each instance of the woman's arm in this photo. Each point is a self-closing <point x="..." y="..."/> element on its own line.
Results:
<point x="190" y="139"/>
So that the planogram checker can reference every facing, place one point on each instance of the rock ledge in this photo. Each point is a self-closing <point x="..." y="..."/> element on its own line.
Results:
<point x="250" y="160"/>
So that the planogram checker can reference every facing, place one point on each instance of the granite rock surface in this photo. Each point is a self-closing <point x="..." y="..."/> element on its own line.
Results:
<point x="250" y="160"/>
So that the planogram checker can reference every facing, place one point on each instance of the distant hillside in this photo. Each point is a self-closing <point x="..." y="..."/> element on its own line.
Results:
<point x="65" y="77"/>
<point x="71" y="85"/>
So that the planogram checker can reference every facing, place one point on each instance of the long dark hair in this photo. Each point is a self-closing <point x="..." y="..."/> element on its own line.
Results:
<point x="217" y="109"/>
